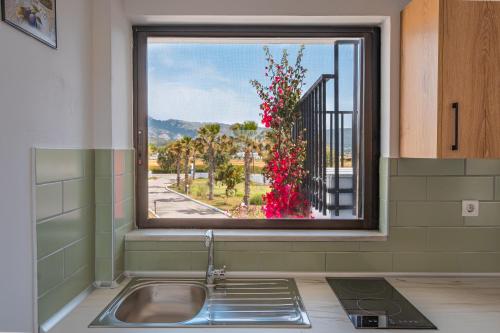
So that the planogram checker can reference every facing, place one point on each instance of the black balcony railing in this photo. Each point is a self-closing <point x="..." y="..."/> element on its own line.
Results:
<point x="331" y="161"/>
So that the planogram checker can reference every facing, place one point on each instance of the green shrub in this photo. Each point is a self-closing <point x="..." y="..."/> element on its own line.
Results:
<point x="200" y="191"/>
<point x="256" y="200"/>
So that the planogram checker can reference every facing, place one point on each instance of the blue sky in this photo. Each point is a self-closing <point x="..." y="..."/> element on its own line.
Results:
<point x="210" y="82"/>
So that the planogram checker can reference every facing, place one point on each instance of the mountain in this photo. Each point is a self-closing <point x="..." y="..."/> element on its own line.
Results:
<point x="162" y="131"/>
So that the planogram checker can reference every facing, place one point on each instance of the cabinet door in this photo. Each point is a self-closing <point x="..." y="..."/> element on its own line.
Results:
<point x="465" y="74"/>
<point x="491" y="56"/>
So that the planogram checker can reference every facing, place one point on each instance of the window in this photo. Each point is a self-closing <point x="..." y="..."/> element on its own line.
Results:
<point x="230" y="134"/>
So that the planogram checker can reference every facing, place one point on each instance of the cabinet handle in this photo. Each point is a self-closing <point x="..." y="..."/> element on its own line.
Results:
<point x="454" y="107"/>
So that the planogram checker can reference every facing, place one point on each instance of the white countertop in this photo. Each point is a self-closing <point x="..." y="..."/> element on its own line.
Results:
<point x="454" y="305"/>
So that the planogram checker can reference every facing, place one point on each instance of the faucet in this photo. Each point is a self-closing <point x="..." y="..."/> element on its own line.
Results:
<point x="212" y="273"/>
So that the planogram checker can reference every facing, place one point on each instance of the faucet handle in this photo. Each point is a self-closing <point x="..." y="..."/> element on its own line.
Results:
<point x="220" y="273"/>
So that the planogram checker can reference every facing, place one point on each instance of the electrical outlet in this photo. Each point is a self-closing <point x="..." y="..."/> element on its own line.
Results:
<point x="470" y="207"/>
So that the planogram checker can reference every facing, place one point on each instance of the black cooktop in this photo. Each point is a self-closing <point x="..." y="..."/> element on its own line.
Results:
<point x="374" y="303"/>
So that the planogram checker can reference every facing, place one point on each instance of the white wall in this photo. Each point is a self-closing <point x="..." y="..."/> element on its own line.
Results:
<point x="121" y="77"/>
<point x="382" y="12"/>
<point x="45" y="101"/>
<point x="112" y="79"/>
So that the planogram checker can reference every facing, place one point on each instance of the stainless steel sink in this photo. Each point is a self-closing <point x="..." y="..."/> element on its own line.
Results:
<point x="148" y="302"/>
<point x="162" y="303"/>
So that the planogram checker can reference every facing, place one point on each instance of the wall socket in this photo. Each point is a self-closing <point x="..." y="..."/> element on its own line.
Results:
<point x="470" y="207"/>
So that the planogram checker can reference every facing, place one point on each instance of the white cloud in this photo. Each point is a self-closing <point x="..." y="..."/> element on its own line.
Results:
<point x="169" y="100"/>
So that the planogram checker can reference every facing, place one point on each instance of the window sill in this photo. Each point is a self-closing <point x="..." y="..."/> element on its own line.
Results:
<point x="229" y="235"/>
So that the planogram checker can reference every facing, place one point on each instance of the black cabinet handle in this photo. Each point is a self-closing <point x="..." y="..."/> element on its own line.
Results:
<point x="454" y="107"/>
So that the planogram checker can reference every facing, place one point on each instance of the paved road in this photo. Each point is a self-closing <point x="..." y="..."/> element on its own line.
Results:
<point x="172" y="205"/>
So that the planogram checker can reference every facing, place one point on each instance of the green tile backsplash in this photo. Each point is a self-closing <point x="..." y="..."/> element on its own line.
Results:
<point x="84" y="208"/>
<point x="65" y="226"/>
<point x="426" y="230"/>
<point x="114" y="197"/>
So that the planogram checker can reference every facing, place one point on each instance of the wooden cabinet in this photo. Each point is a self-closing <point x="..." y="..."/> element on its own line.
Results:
<point x="450" y="79"/>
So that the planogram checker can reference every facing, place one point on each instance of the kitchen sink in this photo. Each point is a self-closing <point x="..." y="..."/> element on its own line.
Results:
<point x="162" y="303"/>
<point x="147" y="302"/>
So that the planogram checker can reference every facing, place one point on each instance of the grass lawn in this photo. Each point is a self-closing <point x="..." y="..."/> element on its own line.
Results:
<point x="199" y="191"/>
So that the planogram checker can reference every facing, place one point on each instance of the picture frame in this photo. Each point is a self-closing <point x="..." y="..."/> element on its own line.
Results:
<point x="36" y="18"/>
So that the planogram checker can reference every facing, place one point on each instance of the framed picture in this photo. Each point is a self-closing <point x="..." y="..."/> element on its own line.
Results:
<point x="36" y="18"/>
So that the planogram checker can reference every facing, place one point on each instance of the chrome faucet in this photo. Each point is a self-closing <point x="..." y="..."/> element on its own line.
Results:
<point x="212" y="274"/>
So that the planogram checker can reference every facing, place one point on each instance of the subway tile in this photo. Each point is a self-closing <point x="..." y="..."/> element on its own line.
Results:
<point x="238" y="261"/>
<point x="157" y="261"/>
<point x="78" y="255"/>
<point x="387" y="214"/>
<point x="49" y="200"/>
<point x="58" y="164"/>
<point x="119" y="266"/>
<point x="489" y="215"/>
<point x="103" y="190"/>
<point x="393" y="166"/>
<point x="103" y="269"/>
<point x="254" y="246"/>
<point x="123" y="187"/>
<point x="383" y="192"/>
<point x="431" y="167"/>
<point x="56" y="298"/>
<point x="62" y="230"/>
<point x="463" y="239"/>
<point x="425" y="213"/>
<point x="483" y="167"/>
<point x="103" y="217"/>
<point x="199" y="260"/>
<point x="480" y="262"/>
<point x="103" y="245"/>
<point x="325" y="246"/>
<point x="123" y="213"/>
<point x="399" y="239"/>
<point x="118" y="162"/>
<point x="129" y="160"/>
<point x="76" y="193"/>
<point x="497" y="188"/>
<point x="408" y="188"/>
<point x="103" y="162"/>
<point x="120" y="239"/>
<point x="383" y="166"/>
<point x="89" y="163"/>
<point x="359" y="262"/>
<point x="50" y="272"/>
<point x="167" y="246"/>
<point x="292" y="261"/>
<point x="426" y="262"/>
<point x="460" y="188"/>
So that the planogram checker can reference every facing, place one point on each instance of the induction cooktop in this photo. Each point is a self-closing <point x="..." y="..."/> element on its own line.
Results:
<point x="374" y="303"/>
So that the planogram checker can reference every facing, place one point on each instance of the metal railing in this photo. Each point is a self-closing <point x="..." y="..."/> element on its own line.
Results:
<point x="325" y="134"/>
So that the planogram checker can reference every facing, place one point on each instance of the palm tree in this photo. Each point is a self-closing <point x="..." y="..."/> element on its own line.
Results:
<point x="187" y="144"/>
<point x="197" y="150"/>
<point x="213" y="143"/>
<point x="175" y="150"/>
<point x="246" y="137"/>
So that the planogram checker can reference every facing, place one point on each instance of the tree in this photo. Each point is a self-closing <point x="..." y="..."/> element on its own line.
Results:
<point x="197" y="151"/>
<point x="165" y="160"/>
<point x="213" y="143"/>
<point x="285" y="163"/>
<point x="230" y="175"/>
<point x="246" y="139"/>
<point x="187" y="144"/>
<point x="175" y="150"/>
